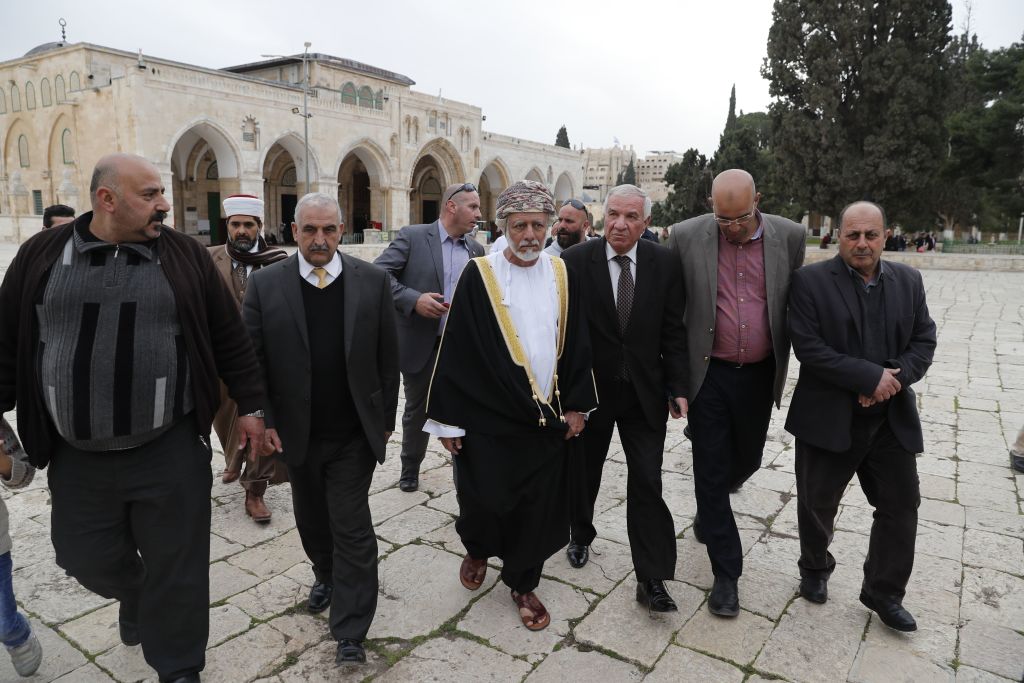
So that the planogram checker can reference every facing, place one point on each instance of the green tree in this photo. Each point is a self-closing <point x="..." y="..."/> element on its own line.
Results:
<point x="562" y="139"/>
<point x="690" y="180"/>
<point x="858" y="88"/>
<point x="627" y="176"/>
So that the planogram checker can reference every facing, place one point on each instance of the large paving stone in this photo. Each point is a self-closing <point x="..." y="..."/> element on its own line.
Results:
<point x="1006" y="523"/>
<point x="941" y="512"/>
<point x="59" y="657"/>
<point x="968" y="674"/>
<point x="45" y="590"/>
<point x="316" y="665"/>
<point x="221" y="548"/>
<point x="436" y="482"/>
<point x="757" y="502"/>
<point x="90" y="673"/>
<point x="813" y="643"/>
<point x="127" y="664"/>
<point x="448" y="502"/>
<point x="880" y="664"/>
<point x="939" y="540"/>
<point x="980" y="495"/>
<point x="935" y="637"/>
<point x="412" y="524"/>
<point x="997" y="476"/>
<point x="993" y="551"/>
<point x="251" y="655"/>
<point x="995" y="649"/>
<point x="270" y="598"/>
<point x="230" y="521"/>
<point x="994" y="597"/>
<point x="679" y="664"/>
<point x="495" y="618"/>
<point x="31" y="544"/>
<point x="570" y="664"/>
<point x="387" y="504"/>
<point x="96" y="631"/>
<point x="942" y="488"/>
<point x="455" y="660"/>
<point x="302" y="630"/>
<point x="419" y="591"/>
<point x="275" y="556"/>
<point x="226" y="621"/>
<point x="609" y="563"/>
<point x="765" y="592"/>
<point x="227" y="579"/>
<point x="623" y="626"/>
<point x="737" y="640"/>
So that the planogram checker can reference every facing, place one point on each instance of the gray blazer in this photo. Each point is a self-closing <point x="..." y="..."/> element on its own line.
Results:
<point x="695" y="241"/>
<point x="414" y="262"/>
<point x="276" y="317"/>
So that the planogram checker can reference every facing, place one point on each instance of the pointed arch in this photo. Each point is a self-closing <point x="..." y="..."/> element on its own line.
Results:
<point x="185" y="139"/>
<point x="291" y="141"/>
<point x="447" y="157"/>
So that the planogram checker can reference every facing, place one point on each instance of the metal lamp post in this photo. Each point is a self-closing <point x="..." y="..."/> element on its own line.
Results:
<point x="305" y="104"/>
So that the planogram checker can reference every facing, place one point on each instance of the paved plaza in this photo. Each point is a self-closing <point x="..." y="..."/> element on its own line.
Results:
<point x="967" y="590"/>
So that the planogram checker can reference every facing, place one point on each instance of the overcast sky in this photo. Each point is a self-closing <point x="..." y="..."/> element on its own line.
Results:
<point x="654" y="74"/>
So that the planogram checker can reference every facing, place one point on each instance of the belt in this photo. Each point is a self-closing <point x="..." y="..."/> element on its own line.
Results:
<point x="735" y="365"/>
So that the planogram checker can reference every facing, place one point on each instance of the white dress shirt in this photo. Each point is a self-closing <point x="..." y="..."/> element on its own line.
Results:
<point x="333" y="269"/>
<point x="614" y="268"/>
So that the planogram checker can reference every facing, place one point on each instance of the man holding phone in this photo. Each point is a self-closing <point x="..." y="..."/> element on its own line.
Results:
<point x="425" y="262"/>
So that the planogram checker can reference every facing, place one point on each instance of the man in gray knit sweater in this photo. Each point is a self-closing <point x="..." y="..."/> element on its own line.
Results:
<point x="113" y="332"/>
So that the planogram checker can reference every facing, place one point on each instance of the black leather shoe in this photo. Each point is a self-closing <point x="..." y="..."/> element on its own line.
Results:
<point x="409" y="484"/>
<point x="350" y="652"/>
<point x="320" y="597"/>
<point x="891" y="613"/>
<point x="686" y="432"/>
<point x="736" y="488"/>
<point x="128" y="625"/>
<point x="187" y="678"/>
<point x="697" y="536"/>
<point x="652" y="593"/>
<point x="724" y="600"/>
<point x="1017" y="461"/>
<point x="814" y="589"/>
<point x="578" y="554"/>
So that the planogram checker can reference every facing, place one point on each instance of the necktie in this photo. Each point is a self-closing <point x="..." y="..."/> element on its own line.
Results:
<point x="238" y="275"/>
<point x="321" y="275"/>
<point x="624" y="303"/>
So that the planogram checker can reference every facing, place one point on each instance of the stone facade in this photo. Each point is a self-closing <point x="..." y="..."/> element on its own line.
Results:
<point x="385" y="149"/>
<point x="650" y="173"/>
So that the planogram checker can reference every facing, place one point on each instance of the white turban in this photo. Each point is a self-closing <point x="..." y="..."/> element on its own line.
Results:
<point x="243" y="205"/>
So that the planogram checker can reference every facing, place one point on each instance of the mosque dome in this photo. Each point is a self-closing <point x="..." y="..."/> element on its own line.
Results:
<point x="45" y="47"/>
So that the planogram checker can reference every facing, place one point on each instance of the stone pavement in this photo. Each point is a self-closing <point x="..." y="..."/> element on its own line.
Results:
<point x="967" y="590"/>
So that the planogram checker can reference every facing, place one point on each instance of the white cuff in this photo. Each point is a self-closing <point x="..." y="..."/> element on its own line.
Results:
<point x="438" y="429"/>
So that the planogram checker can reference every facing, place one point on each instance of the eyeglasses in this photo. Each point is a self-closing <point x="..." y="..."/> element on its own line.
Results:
<point x="465" y="187"/>
<point x="575" y="203"/>
<point x="726" y="222"/>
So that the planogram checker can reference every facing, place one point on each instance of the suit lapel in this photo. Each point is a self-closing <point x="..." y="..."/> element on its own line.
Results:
<point x="644" y="282"/>
<point x="893" y="311"/>
<point x="709" y="246"/>
<point x="292" y="291"/>
<point x="351" y="278"/>
<point x="845" y="284"/>
<point x="601" y="282"/>
<point x="434" y="244"/>
<point x="772" y="267"/>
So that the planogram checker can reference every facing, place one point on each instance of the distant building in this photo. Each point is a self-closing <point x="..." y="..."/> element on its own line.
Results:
<point x="650" y="173"/>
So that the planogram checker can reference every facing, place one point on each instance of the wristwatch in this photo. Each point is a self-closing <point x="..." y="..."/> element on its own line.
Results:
<point x="255" y="413"/>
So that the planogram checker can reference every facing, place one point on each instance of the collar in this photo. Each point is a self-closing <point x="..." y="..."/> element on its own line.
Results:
<point x="610" y="253"/>
<point x="86" y="241"/>
<point x="333" y="266"/>
<point x="873" y="281"/>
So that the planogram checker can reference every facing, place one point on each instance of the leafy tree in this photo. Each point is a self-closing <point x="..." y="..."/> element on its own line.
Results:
<point x="627" y="176"/>
<point x="690" y="180"/>
<point x="562" y="139"/>
<point x="858" y="88"/>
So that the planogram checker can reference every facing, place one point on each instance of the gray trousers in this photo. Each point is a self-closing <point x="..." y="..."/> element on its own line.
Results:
<point x="414" y="439"/>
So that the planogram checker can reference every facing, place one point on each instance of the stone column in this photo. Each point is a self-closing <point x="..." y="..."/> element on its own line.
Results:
<point x="398" y="207"/>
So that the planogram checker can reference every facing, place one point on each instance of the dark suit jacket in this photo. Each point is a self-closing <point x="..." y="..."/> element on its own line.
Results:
<point x="276" y="318"/>
<point x="654" y="343"/>
<point x="695" y="243"/>
<point x="825" y="326"/>
<point x="415" y="264"/>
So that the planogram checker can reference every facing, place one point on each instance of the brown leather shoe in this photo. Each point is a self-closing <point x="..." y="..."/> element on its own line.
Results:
<point x="472" y="572"/>
<point x="256" y="508"/>
<point x="229" y="476"/>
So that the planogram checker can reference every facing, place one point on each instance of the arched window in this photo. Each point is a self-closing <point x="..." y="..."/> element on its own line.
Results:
<point x="30" y="95"/>
<point x="366" y="97"/>
<point x="23" y="151"/>
<point x="288" y="178"/>
<point x="15" y="98"/>
<point x="74" y="83"/>
<point x="212" y="173"/>
<point x="44" y="92"/>
<point x="3" y="102"/>
<point x="432" y="121"/>
<point x="59" y="89"/>
<point x="348" y="94"/>
<point x="378" y="103"/>
<point x="65" y="147"/>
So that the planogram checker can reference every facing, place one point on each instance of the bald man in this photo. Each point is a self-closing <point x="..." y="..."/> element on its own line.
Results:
<point x="736" y="263"/>
<point x="113" y="332"/>
<point x="861" y="331"/>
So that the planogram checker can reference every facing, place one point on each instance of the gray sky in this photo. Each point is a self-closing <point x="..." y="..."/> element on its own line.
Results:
<point x="655" y="74"/>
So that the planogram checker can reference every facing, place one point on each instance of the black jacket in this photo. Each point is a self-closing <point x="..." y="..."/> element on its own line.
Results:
<point x="825" y="328"/>
<point x="215" y="337"/>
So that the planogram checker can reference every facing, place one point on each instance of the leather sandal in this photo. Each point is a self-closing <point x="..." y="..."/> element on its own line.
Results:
<point x="532" y="612"/>
<point x="472" y="572"/>
<point x="228" y="476"/>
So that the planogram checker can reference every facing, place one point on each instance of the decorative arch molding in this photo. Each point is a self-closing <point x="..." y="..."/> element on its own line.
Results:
<point x="535" y="174"/>
<point x="224" y="149"/>
<point x="291" y="141"/>
<point x="563" y="188"/>
<point x="447" y="157"/>
<point x="497" y="173"/>
<point x="374" y="158"/>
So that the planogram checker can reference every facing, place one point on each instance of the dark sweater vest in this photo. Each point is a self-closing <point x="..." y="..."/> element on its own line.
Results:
<point x="332" y="411"/>
<point x="872" y="325"/>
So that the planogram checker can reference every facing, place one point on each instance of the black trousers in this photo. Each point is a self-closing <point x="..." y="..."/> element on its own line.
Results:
<point x="888" y="476"/>
<point x="330" y="496"/>
<point x="417" y="386"/>
<point x="652" y="536"/>
<point x="728" y="423"/>
<point x="134" y="525"/>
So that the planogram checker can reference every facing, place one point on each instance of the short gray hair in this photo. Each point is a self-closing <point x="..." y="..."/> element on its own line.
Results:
<point x="317" y="200"/>
<point x="630" y="191"/>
